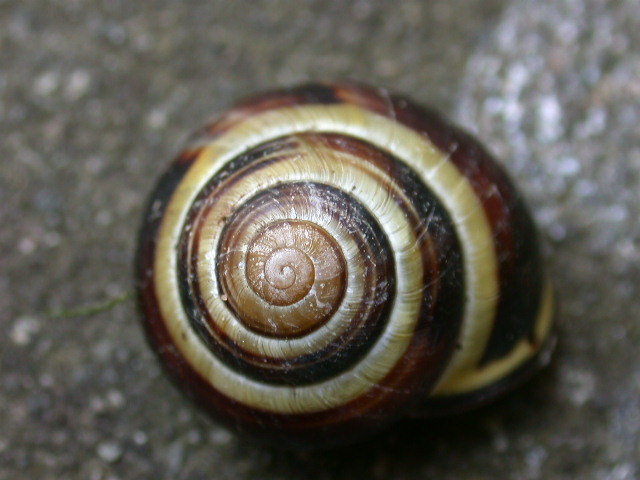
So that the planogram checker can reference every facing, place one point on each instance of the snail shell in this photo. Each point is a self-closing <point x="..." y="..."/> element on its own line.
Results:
<point x="326" y="259"/>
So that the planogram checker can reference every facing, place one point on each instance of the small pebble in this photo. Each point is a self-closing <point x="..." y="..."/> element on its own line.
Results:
<point x="23" y="330"/>
<point x="110" y="452"/>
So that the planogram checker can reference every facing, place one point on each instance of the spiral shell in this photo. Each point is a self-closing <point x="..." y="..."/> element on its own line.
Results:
<point x="324" y="259"/>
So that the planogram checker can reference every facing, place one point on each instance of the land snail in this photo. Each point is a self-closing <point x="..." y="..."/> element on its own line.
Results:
<point x="324" y="260"/>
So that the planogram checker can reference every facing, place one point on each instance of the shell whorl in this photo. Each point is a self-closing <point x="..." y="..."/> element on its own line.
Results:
<point x="333" y="255"/>
<point x="312" y="194"/>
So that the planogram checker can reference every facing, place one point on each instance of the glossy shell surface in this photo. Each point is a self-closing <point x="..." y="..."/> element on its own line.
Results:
<point x="324" y="259"/>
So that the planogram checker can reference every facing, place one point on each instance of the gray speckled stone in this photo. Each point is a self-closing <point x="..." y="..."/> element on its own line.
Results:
<point x="95" y="98"/>
<point x="558" y="88"/>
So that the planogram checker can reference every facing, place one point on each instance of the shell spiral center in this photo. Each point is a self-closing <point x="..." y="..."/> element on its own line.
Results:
<point x="291" y="270"/>
<point x="281" y="261"/>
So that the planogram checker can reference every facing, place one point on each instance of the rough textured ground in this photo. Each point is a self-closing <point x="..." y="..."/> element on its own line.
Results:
<point x="96" y="97"/>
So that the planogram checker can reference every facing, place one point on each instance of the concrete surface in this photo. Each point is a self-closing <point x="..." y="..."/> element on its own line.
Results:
<point x="97" y="95"/>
